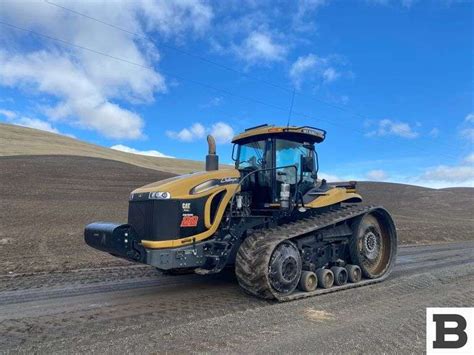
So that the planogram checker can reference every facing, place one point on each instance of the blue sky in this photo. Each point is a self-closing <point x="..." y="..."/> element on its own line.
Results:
<point x="391" y="81"/>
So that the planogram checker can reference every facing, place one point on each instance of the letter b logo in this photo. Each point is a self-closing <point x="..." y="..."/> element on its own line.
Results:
<point x="449" y="331"/>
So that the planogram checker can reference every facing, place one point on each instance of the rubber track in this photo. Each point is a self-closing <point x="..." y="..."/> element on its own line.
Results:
<point x="254" y="254"/>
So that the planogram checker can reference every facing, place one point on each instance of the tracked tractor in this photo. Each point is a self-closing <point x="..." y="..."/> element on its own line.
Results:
<point x="286" y="233"/>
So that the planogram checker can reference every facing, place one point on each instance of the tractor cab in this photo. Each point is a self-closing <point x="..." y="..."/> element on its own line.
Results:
<point x="277" y="160"/>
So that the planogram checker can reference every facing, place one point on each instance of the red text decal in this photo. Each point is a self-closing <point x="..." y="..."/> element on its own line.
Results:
<point x="189" y="221"/>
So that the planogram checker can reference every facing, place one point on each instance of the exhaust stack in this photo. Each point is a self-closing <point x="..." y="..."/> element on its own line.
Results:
<point x="212" y="159"/>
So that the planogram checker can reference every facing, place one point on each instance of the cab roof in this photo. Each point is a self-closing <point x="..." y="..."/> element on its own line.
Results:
<point x="299" y="134"/>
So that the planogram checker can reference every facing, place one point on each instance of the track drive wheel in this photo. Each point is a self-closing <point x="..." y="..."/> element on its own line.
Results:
<point x="373" y="245"/>
<point x="308" y="281"/>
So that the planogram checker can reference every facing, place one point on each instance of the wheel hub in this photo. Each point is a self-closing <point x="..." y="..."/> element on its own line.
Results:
<point x="371" y="245"/>
<point x="289" y="269"/>
<point x="284" y="269"/>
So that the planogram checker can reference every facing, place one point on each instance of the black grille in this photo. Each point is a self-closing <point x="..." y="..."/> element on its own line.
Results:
<point x="161" y="219"/>
<point x="140" y="217"/>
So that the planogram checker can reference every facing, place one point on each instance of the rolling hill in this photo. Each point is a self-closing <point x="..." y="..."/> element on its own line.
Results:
<point x="16" y="140"/>
<point x="47" y="200"/>
<point x="51" y="186"/>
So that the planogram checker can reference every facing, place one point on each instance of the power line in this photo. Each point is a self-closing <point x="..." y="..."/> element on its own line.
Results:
<point x="211" y="87"/>
<point x="206" y="60"/>
<point x="208" y="86"/>
<point x="292" y="91"/>
<point x="148" y="67"/>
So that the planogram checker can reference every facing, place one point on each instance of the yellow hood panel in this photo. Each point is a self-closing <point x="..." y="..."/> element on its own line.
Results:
<point x="333" y="196"/>
<point x="179" y="186"/>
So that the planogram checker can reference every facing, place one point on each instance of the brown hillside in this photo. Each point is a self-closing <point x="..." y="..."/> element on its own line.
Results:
<point x="47" y="200"/>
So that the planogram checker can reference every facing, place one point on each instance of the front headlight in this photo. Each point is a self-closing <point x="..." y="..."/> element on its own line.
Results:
<point x="159" y="195"/>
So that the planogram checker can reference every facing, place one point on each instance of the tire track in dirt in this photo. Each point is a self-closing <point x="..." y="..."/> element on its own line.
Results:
<point x="153" y="307"/>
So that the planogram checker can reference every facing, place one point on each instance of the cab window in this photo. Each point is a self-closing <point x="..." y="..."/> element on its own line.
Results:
<point x="252" y="155"/>
<point x="289" y="153"/>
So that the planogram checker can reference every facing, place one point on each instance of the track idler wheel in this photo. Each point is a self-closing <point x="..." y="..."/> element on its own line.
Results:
<point x="284" y="268"/>
<point x="325" y="278"/>
<point x="340" y="275"/>
<point x="373" y="245"/>
<point x="354" y="273"/>
<point x="308" y="281"/>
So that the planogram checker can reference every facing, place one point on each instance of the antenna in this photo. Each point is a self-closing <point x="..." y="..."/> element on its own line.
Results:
<point x="291" y="108"/>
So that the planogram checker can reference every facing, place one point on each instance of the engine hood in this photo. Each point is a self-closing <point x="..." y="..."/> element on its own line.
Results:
<point x="180" y="186"/>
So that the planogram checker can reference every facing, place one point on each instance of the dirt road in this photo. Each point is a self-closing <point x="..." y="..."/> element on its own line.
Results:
<point x="138" y="310"/>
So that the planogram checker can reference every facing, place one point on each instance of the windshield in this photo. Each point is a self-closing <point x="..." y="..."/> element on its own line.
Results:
<point x="251" y="155"/>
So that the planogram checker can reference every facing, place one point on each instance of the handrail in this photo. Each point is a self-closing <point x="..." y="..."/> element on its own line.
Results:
<point x="260" y="170"/>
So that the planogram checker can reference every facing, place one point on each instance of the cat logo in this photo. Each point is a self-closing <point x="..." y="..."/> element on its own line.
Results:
<point x="186" y="206"/>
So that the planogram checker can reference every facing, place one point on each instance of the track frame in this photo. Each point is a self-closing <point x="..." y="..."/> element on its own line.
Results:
<point x="255" y="252"/>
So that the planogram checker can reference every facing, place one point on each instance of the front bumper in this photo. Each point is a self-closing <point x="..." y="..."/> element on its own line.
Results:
<point x="122" y="241"/>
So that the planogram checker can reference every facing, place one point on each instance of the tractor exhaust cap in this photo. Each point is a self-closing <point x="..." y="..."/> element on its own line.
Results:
<point x="212" y="159"/>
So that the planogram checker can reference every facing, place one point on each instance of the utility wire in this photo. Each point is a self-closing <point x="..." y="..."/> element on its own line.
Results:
<point x="211" y="87"/>
<point x="208" y="61"/>
<point x="199" y="83"/>
<point x="225" y="67"/>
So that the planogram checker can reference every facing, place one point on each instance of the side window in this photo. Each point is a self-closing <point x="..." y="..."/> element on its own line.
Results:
<point x="289" y="153"/>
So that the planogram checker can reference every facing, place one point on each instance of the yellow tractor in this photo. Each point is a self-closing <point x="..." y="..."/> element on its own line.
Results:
<point x="287" y="233"/>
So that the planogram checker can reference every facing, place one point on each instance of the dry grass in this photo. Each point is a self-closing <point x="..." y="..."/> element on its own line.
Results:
<point x="16" y="140"/>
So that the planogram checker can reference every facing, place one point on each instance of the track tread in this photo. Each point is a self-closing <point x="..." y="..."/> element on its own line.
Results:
<point x="254" y="253"/>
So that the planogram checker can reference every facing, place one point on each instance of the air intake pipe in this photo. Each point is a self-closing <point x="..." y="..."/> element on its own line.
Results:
<point x="212" y="159"/>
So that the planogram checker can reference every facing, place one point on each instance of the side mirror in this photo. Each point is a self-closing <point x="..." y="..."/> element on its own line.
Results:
<point x="307" y="164"/>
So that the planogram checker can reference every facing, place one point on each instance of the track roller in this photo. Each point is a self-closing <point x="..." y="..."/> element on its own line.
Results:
<point x="340" y="275"/>
<point x="354" y="273"/>
<point x="308" y="281"/>
<point x="325" y="278"/>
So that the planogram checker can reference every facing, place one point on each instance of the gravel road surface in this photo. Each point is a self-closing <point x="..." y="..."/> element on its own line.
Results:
<point x="138" y="310"/>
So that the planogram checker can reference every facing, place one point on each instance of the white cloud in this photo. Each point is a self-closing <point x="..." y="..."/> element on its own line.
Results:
<point x="221" y="131"/>
<point x="330" y="74"/>
<point x="196" y="131"/>
<point x="8" y="114"/>
<point x="310" y="65"/>
<point x="152" y="153"/>
<point x="468" y="133"/>
<point x="467" y="129"/>
<point x="88" y="87"/>
<point x="377" y="175"/>
<point x="260" y="47"/>
<point x="330" y="177"/>
<point x="172" y="18"/>
<point x="388" y="127"/>
<point x="451" y="175"/>
<point x="35" y="123"/>
<point x="15" y="118"/>
<point x="434" y="133"/>
<point x="469" y="159"/>
<point x="213" y="102"/>
<point x="461" y="173"/>
<point x="304" y="17"/>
